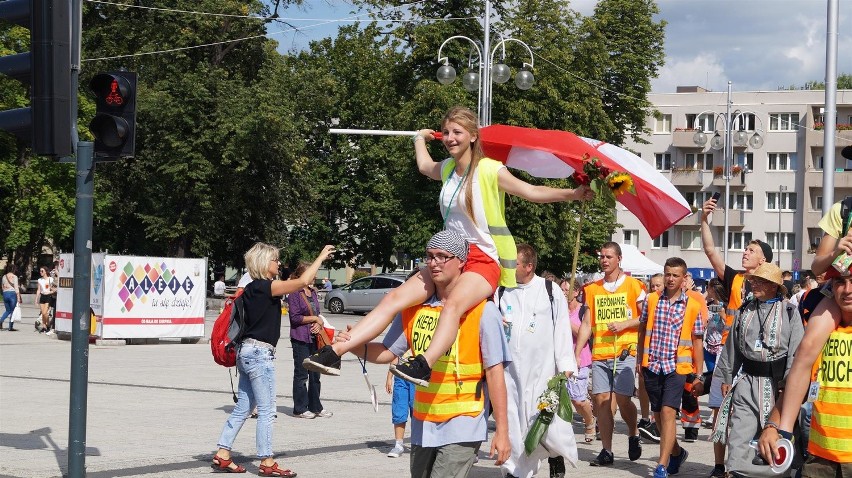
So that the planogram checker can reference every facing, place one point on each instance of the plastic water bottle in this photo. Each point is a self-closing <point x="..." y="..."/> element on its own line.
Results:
<point x="507" y="326"/>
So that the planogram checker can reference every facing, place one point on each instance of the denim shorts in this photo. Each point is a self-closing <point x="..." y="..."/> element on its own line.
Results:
<point x="664" y="390"/>
<point x="622" y="381"/>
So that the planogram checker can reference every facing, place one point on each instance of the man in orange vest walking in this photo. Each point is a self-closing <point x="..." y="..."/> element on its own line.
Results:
<point x="736" y="289"/>
<point x="821" y="373"/>
<point x="449" y="416"/>
<point x="671" y="348"/>
<point x="613" y="304"/>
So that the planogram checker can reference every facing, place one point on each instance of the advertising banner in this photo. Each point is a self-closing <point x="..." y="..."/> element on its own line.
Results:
<point x="65" y="293"/>
<point x="153" y="297"/>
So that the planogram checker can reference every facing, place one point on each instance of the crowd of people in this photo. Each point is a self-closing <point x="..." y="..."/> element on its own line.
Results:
<point x="47" y="285"/>
<point x="477" y="333"/>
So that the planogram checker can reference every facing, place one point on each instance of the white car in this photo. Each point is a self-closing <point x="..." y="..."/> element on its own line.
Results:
<point x="362" y="295"/>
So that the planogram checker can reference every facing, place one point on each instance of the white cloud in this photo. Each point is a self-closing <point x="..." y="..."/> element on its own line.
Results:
<point x="703" y="70"/>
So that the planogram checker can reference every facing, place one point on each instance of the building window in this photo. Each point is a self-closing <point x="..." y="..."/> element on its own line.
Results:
<point x="697" y="198"/>
<point x="662" y="241"/>
<point x="746" y="120"/>
<point x="745" y="160"/>
<point x="786" y="201"/>
<point x="704" y="122"/>
<point x="663" y="161"/>
<point x="788" y="241"/>
<point x="690" y="240"/>
<point x="742" y="201"/>
<point x="631" y="236"/>
<point x="703" y="161"/>
<point x="782" y="162"/>
<point x="738" y="240"/>
<point x="817" y="205"/>
<point x="783" y="121"/>
<point x="663" y="124"/>
<point x="819" y="162"/>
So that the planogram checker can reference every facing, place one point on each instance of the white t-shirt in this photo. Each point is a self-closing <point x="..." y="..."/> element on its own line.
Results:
<point x="244" y="281"/>
<point x="44" y="285"/>
<point x="458" y="220"/>
<point x="219" y="288"/>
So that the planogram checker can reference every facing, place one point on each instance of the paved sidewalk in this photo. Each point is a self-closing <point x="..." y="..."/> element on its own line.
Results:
<point x="157" y="410"/>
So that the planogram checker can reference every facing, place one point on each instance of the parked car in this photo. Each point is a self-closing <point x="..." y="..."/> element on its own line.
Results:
<point x="362" y="295"/>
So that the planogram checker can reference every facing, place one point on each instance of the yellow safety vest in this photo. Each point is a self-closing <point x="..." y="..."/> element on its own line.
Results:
<point x="494" y="203"/>
<point x="831" y="426"/>
<point x="455" y="387"/>
<point x="606" y="307"/>
<point x="694" y="306"/>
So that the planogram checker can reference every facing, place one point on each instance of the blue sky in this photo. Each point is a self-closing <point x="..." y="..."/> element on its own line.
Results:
<point x="757" y="44"/>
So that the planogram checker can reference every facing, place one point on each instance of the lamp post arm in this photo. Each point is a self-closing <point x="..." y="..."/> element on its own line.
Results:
<point x="502" y="43"/>
<point x="445" y="60"/>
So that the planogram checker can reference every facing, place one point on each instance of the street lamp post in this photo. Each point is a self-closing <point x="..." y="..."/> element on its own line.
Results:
<point x="778" y="202"/>
<point x="481" y="81"/>
<point x="731" y="138"/>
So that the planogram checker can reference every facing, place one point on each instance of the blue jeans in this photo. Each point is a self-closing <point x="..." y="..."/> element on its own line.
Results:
<point x="10" y="300"/>
<point x="306" y="385"/>
<point x="256" y="366"/>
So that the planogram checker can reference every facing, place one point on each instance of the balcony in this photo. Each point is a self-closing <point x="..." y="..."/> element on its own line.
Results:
<point x="816" y="138"/>
<point x="842" y="178"/>
<point x="683" y="139"/>
<point x="687" y="177"/>
<point x="737" y="180"/>
<point x="692" y="220"/>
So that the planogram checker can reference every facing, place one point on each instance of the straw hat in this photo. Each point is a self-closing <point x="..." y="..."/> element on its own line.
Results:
<point x="768" y="271"/>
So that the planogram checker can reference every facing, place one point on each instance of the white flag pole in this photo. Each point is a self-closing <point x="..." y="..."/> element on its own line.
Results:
<point x="374" y="132"/>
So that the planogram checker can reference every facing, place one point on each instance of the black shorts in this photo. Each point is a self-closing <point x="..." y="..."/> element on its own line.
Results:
<point x="664" y="390"/>
<point x="45" y="299"/>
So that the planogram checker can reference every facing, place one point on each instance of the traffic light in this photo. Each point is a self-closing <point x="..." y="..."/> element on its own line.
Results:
<point x="47" y="122"/>
<point x="114" y="125"/>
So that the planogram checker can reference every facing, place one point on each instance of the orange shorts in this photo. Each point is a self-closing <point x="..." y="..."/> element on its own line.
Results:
<point x="481" y="263"/>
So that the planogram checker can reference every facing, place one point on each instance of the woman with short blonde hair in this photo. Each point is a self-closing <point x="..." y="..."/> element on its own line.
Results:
<point x="256" y="355"/>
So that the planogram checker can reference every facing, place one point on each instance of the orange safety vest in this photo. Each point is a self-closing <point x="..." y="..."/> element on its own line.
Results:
<point x="606" y="307"/>
<point x="832" y="417"/>
<point x="455" y="387"/>
<point x="695" y="305"/>
<point x="735" y="301"/>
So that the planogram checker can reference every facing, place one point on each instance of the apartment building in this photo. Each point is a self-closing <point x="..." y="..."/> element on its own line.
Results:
<point x="775" y="189"/>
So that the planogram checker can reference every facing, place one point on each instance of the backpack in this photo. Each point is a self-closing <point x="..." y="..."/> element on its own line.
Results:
<point x="548" y="285"/>
<point x="228" y="331"/>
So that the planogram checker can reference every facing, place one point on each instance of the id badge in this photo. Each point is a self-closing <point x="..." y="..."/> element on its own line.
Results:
<point x="758" y="345"/>
<point x="813" y="391"/>
<point x="531" y="327"/>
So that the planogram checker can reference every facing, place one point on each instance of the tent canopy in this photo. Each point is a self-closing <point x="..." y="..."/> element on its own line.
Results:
<point x="635" y="263"/>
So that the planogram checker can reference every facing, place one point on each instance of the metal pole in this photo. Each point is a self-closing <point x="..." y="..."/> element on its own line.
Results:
<point x="781" y="190"/>
<point x="830" y="117"/>
<point x="80" y="310"/>
<point x="729" y="152"/>
<point x="485" y="113"/>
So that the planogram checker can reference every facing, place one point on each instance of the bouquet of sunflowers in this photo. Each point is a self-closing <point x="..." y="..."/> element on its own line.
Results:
<point x="607" y="185"/>
<point x="554" y="400"/>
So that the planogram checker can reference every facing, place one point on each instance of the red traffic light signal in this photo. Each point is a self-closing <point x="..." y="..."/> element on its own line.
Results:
<point x="114" y="125"/>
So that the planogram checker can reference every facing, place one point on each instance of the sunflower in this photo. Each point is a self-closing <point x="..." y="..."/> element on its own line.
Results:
<point x="620" y="183"/>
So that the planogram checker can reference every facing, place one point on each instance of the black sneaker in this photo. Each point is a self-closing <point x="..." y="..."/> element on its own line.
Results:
<point x="690" y="435"/>
<point x="718" y="471"/>
<point x="604" y="458"/>
<point x="634" y="448"/>
<point x="416" y="370"/>
<point x="648" y="430"/>
<point x="557" y="467"/>
<point x="325" y="361"/>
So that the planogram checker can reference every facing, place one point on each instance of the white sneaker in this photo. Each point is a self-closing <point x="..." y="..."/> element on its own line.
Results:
<point x="306" y="414"/>
<point x="49" y="332"/>
<point x="396" y="451"/>
<point x="324" y="414"/>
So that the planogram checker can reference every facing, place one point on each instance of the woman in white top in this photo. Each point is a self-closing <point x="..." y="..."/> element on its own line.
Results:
<point x="44" y="297"/>
<point x="11" y="295"/>
<point x="472" y="205"/>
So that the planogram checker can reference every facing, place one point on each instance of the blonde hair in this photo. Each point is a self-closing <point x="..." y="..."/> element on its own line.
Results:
<point x="467" y="119"/>
<point x="257" y="260"/>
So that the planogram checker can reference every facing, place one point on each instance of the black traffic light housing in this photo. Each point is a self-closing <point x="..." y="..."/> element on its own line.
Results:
<point x="114" y="125"/>
<point x="47" y="122"/>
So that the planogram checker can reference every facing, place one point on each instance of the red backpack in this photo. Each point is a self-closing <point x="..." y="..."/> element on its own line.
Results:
<point x="228" y="331"/>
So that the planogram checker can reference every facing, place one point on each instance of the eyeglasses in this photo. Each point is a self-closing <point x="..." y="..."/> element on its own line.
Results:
<point x="439" y="259"/>
<point x="275" y="261"/>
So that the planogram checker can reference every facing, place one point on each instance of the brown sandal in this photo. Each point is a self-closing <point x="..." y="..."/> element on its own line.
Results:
<point x="275" y="471"/>
<point x="589" y="433"/>
<point x="223" y="465"/>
